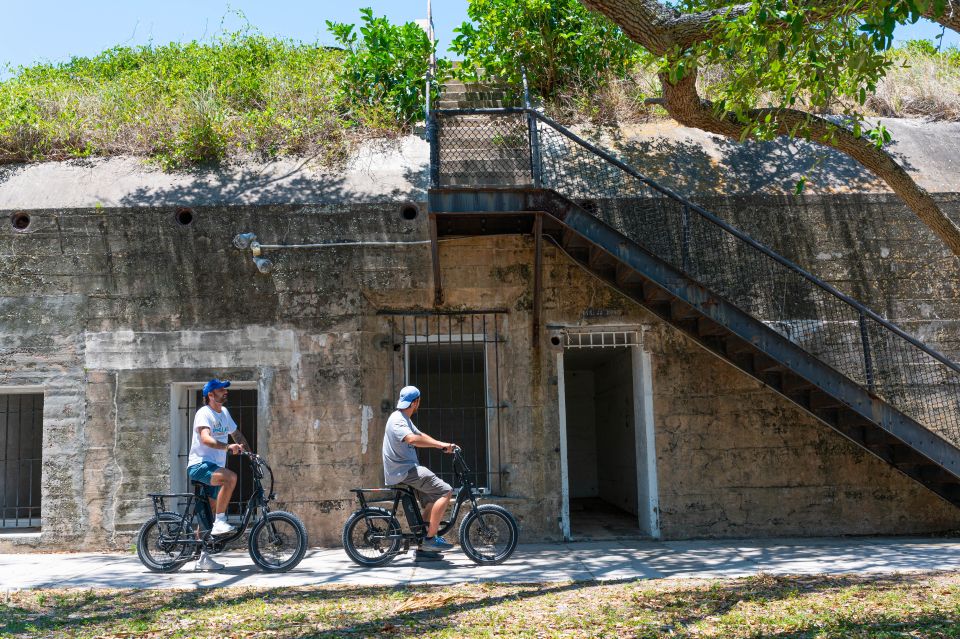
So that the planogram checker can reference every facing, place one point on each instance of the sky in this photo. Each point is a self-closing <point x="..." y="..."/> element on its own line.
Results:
<point x="54" y="30"/>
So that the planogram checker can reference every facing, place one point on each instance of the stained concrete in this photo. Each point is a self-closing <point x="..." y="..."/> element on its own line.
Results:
<point x="687" y="160"/>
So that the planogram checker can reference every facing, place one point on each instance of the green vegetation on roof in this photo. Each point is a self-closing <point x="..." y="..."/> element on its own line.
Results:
<point x="241" y="95"/>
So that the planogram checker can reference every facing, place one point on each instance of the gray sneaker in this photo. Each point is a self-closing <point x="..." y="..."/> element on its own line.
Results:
<point x="205" y="563"/>
<point x="436" y="544"/>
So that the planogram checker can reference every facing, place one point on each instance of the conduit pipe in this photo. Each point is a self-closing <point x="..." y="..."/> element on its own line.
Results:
<point x="245" y="241"/>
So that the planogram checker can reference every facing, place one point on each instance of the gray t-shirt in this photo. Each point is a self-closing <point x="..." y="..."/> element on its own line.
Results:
<point x="398" y="456"/>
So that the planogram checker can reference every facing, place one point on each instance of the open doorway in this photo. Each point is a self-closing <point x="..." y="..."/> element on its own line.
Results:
<point x="609" y="466"/>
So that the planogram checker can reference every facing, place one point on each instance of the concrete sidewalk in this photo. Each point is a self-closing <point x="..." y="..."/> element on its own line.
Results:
<point x="584" y="561"/>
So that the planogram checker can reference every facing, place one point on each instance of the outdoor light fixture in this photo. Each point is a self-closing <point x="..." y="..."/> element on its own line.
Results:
<point x="264" y="265"/>
<point x="243" y="240"/>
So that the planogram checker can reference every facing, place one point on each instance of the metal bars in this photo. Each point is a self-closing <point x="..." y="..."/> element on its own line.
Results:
<point x="838" y="330"/>
<point x="21" y="445"/>
<point x="242" y="404"/>
<point x="454" y="359"/>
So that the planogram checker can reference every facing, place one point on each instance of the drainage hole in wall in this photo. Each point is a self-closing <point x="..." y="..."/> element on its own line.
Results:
<point x="20" y="221"/>
<point x="184" y="216"/>
<point x="409" y="212"/>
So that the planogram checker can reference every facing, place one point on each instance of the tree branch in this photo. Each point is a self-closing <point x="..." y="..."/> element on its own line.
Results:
<point x="685" y="106"/>
<point x="659" y="28"/>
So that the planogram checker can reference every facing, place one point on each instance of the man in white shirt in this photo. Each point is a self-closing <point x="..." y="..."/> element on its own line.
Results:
<point x="400" y="466"/>
<point x="212" y="425"/>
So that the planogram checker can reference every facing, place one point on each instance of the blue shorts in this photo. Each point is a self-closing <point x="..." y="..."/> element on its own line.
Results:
<point x="203" y="472"/>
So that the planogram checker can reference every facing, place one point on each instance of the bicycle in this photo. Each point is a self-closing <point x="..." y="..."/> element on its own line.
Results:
<point x="169" y="539"/>
<point x="372" y="535"/>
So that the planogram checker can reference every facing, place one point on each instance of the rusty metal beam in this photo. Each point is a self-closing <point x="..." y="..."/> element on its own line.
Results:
<point x="435" y="256"/>
<point x="537" y="277"/>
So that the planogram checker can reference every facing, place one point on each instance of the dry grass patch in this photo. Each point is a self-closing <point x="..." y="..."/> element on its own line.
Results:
<point x="763" y="606"/>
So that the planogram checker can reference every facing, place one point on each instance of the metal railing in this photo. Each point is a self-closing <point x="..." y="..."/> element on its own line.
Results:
<point x="523" y="148"/>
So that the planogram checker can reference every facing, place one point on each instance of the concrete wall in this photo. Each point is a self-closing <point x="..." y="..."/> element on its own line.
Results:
<point x="106" y="308"/>
<point x="616" y="442"/>
<point x="581" y="432"/>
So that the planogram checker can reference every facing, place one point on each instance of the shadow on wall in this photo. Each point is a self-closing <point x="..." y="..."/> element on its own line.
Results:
<point x="286" y="184"/>
<point x="720" y="166"/>
<point x="243" y="185"/>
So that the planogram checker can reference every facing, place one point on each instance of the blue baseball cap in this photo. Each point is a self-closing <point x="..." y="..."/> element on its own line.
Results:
<point x="212" y="385"/>
<point x="408" y="395"/>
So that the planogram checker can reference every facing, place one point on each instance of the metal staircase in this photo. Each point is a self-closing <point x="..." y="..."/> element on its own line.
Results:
<point x="514" y="170"/>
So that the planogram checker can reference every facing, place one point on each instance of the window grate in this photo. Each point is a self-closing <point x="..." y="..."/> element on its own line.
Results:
<point x="602" y="338"/>
<point x="21" y="446"/>
<point x="454" y="359"/>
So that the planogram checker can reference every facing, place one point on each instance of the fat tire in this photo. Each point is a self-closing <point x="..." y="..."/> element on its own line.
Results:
<point x="143" y="543"/>
<point x="300" y="532"/>
<point x="359" y="518"/>
<point x="473" y="519"/>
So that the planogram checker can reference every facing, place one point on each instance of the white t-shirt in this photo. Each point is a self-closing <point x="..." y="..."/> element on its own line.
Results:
<point x="220" y="425"/>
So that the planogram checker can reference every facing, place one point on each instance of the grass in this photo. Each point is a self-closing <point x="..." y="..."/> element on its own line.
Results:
<point x="762" y="606"/>
<point x="183" y="104"/>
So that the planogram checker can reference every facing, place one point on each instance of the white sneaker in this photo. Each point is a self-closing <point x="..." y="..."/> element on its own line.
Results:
<point x="206" y="563"/>
<point x="221" y="527"/>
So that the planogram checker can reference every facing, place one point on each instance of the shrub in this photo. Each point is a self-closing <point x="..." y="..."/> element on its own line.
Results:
<point x="565" y="48"/>
<point x="384" y="72"/>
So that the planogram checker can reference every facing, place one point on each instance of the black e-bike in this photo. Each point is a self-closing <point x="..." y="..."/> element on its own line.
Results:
<point x="373" y="536"/>
<point x="171" y="538"/>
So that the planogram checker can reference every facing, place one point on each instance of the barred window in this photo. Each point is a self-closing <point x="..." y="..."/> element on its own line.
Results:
<point x="454" y="358"/>
<point x="21" y="446"/>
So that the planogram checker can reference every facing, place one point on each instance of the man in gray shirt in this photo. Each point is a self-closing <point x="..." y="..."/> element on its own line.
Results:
<point x="401" y="466"/>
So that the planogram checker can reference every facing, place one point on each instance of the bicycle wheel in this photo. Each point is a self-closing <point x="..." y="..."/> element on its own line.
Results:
<point x="160" y="543"/>
<point x="488" y="535"/>
<point x="278" y="542"/>
<point x="366" y="537"/>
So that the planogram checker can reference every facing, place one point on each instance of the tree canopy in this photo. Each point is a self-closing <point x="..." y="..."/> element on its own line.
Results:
<point x="799" y="55"/>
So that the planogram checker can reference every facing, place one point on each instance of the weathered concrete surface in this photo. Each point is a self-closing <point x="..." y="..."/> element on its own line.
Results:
<point x="695" y="163"/>
<point x="531" y="563"/>
<point x="687" y="160"/>
<point x="379" y="171"/>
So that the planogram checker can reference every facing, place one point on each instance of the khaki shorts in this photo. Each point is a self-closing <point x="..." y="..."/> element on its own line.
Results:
<point x="429" y="487"/>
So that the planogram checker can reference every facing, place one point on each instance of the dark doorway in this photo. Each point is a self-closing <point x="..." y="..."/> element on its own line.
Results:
<point x="601" y="443"/>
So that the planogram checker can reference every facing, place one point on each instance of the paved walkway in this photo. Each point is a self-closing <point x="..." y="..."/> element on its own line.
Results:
<point x="531" y="563"/>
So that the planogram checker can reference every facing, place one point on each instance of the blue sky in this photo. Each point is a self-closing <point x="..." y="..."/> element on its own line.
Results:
<point x="55" y="30"/>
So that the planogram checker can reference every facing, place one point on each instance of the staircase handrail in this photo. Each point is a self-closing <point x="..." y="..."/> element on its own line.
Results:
<point x="608" y="157"/>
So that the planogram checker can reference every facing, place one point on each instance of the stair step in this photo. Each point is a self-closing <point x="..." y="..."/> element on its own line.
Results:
<point x="764" y="364"/>
<point x="736" y="346"/>
<point x="706" y="327"/>
<point x="471" y="104"/>
<point x="793" y="383"/>
<point x="573" y="241"/>
<point x="599" y="260"/>
<point x="682" y="311"/>
<point x="498" y="179"/>
<point x="819" y="399"/>
<point x="653" y="293"/>
<point x="626" y="276"/>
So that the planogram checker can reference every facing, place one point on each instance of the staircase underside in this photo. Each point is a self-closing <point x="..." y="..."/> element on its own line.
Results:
<point x="732" y="335"/>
